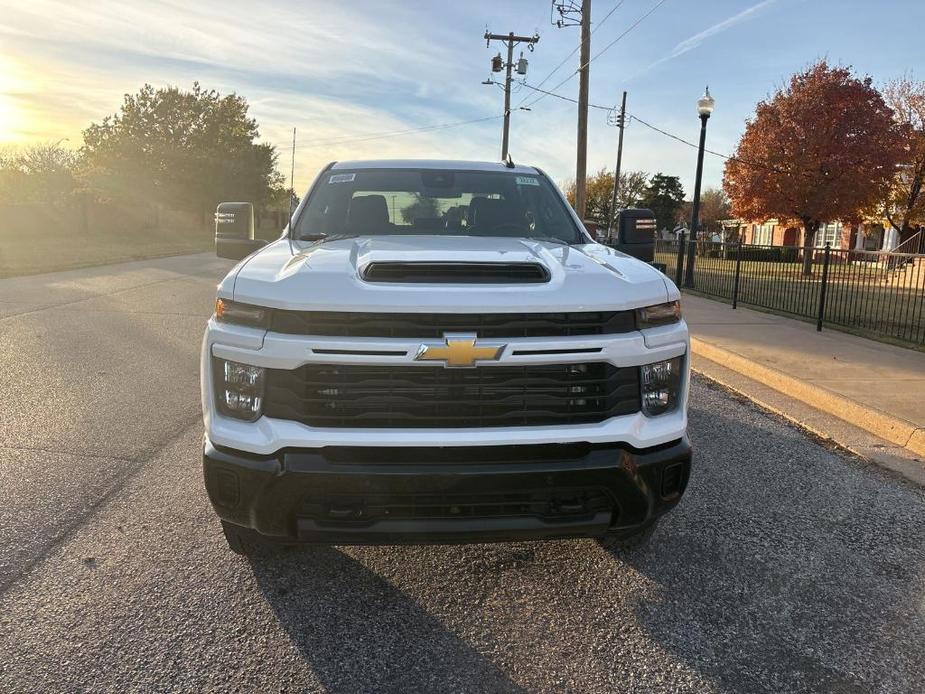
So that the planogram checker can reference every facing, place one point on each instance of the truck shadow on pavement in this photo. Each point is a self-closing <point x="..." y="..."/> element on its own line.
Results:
<point x="358" y="632"/>
<point x="787" y="567"/>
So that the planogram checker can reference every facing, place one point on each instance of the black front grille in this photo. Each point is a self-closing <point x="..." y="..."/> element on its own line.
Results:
<point x="550" y="505"/>
<point x="427" y="325"/>
<point x="457" y="273"/>
<point x="327" y="395"/>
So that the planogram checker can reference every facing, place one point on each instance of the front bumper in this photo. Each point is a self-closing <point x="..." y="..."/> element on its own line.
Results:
<point x="357" y="495"/>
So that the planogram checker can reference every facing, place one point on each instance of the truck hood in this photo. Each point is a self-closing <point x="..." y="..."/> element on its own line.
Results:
<point x="329" y="277"/>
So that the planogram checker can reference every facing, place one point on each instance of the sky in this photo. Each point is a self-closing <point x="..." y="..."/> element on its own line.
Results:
<point x="353" y="77"/>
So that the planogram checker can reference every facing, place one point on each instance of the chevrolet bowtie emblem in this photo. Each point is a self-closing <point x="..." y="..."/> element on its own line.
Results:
<point x="459" y="351"/>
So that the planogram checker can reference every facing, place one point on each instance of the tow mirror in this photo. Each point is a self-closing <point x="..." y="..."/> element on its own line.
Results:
<point x="234" y="230"/>
<point x="635" y="233"/>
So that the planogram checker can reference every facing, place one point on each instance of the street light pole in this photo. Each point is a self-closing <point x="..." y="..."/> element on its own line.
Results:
<point x="705" y="105"/>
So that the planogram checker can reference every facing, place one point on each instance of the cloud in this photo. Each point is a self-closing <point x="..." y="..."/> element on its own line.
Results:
<point x="692" y="42"/>
<point x="336" y="71"/>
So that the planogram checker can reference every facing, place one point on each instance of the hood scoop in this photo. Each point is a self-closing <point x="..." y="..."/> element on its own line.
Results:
<point x="456" y="273"/>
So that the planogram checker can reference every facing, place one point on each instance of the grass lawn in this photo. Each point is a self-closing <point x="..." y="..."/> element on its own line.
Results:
<point x="66" y="249"/>
<point x="860" y="296"/>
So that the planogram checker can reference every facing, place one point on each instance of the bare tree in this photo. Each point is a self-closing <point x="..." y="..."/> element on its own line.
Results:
<point x="905" y="205"/>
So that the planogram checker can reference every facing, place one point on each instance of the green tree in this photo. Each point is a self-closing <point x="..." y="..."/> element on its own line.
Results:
<point x="184" y="149"/>
<point x="422" y="206"/>
<point x="714" y="208"/>
<point x="600" y="192"/>
<point x="664" y="196"/>
<point x="41" y="174"/>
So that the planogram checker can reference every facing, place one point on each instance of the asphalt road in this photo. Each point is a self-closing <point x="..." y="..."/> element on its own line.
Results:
<point x="787" y="567"/>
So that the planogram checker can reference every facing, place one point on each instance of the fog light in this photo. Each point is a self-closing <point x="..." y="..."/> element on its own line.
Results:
<point x="661" y="383"/>
<point x="239" y="389"/>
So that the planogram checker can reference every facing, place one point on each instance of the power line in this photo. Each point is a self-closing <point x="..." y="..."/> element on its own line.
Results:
<point x="601" y="52"/>
<point x="564" y="98"/>
<point x="631" y="27"/>
<point x="574" y="50"/>
<point x="391" y="133"/>
<point x="728" y="157"/>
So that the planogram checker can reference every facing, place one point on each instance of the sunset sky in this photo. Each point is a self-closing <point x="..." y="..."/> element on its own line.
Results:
<point x="345" y="73"/>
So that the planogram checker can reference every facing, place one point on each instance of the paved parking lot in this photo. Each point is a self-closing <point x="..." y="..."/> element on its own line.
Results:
<point x="787" y="567"/>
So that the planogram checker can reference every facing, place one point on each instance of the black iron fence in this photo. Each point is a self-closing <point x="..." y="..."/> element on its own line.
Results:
<point x="879" y="294"/>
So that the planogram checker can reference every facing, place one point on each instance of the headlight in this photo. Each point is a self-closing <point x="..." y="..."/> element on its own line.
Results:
<point x="241" y="314"/>
<point x="238" y="389"/>
<point x="659" y="314"/>
<point x="661" y="386"/>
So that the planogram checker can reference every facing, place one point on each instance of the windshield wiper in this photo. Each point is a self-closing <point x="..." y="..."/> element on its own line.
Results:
<point x="327" y="237"/>
<point x="550" y="239"/>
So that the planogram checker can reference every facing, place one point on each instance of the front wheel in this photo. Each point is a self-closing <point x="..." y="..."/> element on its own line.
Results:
<point x="628" y="542"/>
<point x="239" y="540"/>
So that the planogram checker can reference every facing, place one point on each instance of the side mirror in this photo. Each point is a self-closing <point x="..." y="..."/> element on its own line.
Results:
<point x="234" y="230"/>
<point x="636" y="232"/>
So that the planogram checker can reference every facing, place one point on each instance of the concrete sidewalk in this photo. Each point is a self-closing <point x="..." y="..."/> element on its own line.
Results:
<point x="874" y="386"/>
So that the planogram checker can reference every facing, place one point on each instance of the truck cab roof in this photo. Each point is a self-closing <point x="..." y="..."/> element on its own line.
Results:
<point x="441" y="164"/>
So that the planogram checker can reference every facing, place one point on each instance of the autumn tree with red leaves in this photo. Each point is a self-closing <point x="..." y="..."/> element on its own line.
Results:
<point x="823" y="148"/>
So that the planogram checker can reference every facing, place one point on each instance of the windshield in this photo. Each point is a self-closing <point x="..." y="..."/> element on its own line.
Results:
<point x="374" y="202"/>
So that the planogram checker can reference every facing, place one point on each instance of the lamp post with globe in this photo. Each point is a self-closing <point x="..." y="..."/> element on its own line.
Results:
<point x="705" y="106"/>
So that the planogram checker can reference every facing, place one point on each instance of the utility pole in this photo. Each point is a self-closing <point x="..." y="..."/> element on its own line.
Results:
<point x="620" y="123"/>
<point x="497" y="64"/>
<point x="572" y="13"/>
<point x="581" y="161"/>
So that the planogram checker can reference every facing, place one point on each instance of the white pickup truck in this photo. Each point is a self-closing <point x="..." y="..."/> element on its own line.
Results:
<point x="437" y="351"/>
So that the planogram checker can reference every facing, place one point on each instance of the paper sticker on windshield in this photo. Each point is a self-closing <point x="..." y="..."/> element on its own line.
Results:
<point x="527" y="181"/>
<point x="342" y="178"/>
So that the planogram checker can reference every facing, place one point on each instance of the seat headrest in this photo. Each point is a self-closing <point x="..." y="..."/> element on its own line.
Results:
<point x="487" y="213"/>
<point x="368" y="213"/>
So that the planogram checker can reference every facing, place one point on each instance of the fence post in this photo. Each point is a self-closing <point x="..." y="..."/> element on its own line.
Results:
<point x="825" y="279"/>
<point x="735" y="284"/>
<point x="682" y="238"/>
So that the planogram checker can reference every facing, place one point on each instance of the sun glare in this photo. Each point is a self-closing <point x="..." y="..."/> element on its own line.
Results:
<point x="11" y="82"/>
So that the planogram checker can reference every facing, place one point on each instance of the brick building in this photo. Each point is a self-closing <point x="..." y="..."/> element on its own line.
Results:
<point x="772" y="232"/>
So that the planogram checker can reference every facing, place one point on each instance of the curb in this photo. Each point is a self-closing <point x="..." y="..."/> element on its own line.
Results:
<point x="887" y="427"/>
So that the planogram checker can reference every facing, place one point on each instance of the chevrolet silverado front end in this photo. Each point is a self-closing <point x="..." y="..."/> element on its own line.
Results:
<point x="438" y="352"/>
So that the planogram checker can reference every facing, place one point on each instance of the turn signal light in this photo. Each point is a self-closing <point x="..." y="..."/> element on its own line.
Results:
<point x="227" y="311"/>
<point x="659" y="314"/>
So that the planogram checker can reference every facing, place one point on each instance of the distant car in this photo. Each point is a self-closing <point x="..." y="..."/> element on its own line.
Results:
<point x="437" y="351"/>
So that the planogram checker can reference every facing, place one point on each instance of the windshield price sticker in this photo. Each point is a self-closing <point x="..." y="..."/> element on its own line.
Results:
<point x="342" y="178"/>
<point x="527" y="181"/>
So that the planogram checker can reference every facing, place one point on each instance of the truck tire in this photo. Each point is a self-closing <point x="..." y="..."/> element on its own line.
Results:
<point x="628" y="543"/>
<point x="240" y="541"/>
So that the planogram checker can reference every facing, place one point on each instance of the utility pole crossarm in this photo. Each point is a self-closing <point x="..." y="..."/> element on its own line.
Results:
<point x="509" y="40"/>
<point x="511" y="37"/>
